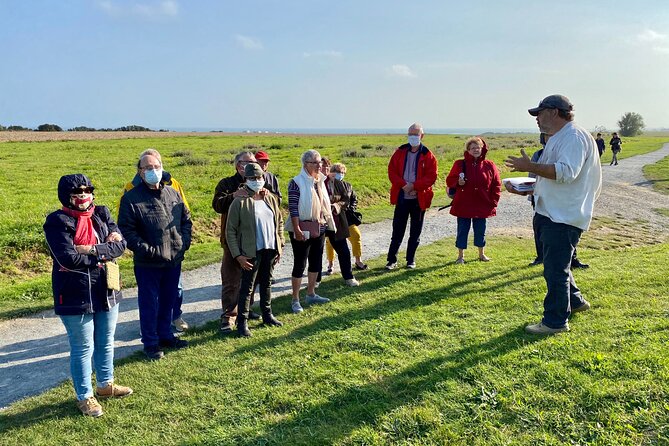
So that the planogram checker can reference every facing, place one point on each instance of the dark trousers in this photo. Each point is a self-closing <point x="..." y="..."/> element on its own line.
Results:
<point x="343" y="254"/>
<point x="403" y="210"/>
<point x="464" y="224"/>
<point x="231" y="276"/>
<point x="157" y="289"/>
<point x="559" y="241"/>
<point x="537" y="240"/>
<point x="263" y="266"/>
<point x="311" y="249"/>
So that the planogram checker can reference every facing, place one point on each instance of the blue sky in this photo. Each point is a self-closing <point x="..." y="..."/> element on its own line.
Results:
<point x="330" y="64"/>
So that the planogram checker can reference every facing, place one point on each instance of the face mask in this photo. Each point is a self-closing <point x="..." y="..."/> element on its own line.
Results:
<point x="153" y="176"/>
<point x="81" y="201"/>
<point x="339" y="176"/>
<point x="414" y="140"/>
<point x="255" y="185"/>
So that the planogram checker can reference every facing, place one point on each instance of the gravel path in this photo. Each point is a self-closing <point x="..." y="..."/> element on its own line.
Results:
<point x="34" y="350"/>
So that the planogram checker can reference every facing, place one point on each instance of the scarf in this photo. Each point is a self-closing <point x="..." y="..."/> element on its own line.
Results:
<point x="84" y="235"/>
<point x="313" y="205"/>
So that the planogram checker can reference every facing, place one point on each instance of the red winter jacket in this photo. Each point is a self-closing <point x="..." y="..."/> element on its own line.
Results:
<point x="479" y="196"/>
<point x="426" y="174"/>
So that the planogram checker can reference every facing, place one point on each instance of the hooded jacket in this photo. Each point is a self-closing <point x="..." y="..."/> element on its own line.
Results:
<point x="78" y="280"/>
<point x="479" y="196"/>
<point x="426" y="174"/>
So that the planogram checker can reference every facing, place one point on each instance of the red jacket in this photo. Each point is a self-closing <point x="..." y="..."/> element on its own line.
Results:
<point x="426" y="174"/>
<point x="479" y="196"/>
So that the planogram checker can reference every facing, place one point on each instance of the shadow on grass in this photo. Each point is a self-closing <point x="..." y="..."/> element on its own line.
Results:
<point x="43" y="412"/>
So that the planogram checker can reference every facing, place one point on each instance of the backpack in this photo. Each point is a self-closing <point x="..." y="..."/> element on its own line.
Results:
<point x="453" y="190"/>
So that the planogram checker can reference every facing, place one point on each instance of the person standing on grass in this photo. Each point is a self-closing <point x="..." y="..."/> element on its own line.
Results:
<point x="157" y="225"/>
<point x="569" y="179"/>
<point x="479" y="187"/>
<point x="231" y="274"/>
<point x="412" y="171"/>
<point x="254" y="232"/>
<point x="601" y="145"/>
<point x="271" y="182"/>
<point x="178" y="322"/>
<point x="615" y="144"/>
<point x="82" y="237"/>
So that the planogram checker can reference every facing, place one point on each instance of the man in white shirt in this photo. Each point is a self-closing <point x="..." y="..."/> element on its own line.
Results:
<point x="569" y="179"/>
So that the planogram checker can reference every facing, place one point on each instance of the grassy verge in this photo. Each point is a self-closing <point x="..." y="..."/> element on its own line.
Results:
<point x="426" y="357"/>
<point x="658" y="174"/>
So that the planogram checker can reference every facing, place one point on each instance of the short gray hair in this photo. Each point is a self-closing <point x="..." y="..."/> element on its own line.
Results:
<point x="417" y="126"/>
<point x="149" y="152"/>
<point x="310" y="155"/>
<point x="241" y="155"/>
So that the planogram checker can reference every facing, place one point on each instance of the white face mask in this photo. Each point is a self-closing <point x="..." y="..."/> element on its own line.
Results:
<point x="255" y="185"/>
<point x="339" y="176"/>
<point x="153" y="176"/>
<point x="414" y="140"/>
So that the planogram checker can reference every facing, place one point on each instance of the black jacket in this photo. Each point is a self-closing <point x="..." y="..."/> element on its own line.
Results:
<point x="156" y="224"/>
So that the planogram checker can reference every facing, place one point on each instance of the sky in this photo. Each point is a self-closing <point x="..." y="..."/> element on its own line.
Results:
<point x="330" y="64"/>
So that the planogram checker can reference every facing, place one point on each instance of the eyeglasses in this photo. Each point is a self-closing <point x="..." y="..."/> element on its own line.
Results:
<point x="315" y="162"/>
<point x="82" y="190"/>
<point x="145" y="168"/>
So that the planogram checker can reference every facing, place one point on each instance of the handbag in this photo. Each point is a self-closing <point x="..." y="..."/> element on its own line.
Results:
<point x="113" y="275"/>
<point x="313" y="227"/>
<point x="353" y="217"/>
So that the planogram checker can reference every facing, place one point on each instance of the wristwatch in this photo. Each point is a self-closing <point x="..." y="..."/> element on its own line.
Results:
<point x="92" y="251"/>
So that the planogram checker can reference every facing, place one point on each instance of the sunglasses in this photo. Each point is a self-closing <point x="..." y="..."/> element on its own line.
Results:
<point x="82" y="190"/>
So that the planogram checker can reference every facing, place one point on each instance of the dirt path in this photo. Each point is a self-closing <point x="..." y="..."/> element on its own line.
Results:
<point x="34" y="350"/>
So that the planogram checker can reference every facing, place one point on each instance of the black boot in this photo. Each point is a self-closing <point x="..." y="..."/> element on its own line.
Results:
<point x="243" y="327"/>
<point x="269" y="319"/>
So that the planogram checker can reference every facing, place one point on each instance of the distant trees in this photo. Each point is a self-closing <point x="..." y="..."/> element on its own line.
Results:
<point x="81" y="128"/>
<point x="49" y="128"/>
<point x="133" y="128"/>
<point x="18" y="128"/>
<point x="631" y="124"/>
<point x="2" y="128"/>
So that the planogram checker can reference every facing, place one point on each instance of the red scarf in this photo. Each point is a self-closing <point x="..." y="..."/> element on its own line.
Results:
<point x="85" y="235"/>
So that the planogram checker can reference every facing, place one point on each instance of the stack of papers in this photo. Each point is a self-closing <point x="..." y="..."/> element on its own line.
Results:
<point x="521" y="184"/>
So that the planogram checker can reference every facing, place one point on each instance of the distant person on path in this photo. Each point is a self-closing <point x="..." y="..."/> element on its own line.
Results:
<point x="82" y="237"/>
<point x="254" y="232"/>
<point x="339" y="200"/>
<point x="178" y="322"/>
<point x="309" y="217"/>
<point x="601" y="145"/>
<point x="354" y="219"/>
<point x="157" y="225"/>
<point x="412" y="171"/>
<point x="231" y="273"/>
<point x="478" y="187"/>
<point x="615" y="144"/>
<point x="271" y="182"/>
<point x="569" y="179"/>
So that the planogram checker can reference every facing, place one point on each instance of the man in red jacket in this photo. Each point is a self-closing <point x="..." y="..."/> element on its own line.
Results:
<point x="412" y="171"/>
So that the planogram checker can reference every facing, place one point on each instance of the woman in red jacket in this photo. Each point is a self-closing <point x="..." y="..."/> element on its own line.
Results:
<point x="478" y="188"/>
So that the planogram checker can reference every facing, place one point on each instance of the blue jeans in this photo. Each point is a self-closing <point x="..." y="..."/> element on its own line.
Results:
<point x="91" y="336"/>
<point x="157" y="289"/>
<point x="403" y="210"/>
<point x="176" y="309"/>
<point x="559" y="241"/>
<point x="463" y="232"/>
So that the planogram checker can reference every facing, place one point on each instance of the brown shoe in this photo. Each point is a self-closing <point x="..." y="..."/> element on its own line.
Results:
<point x="112" y="390"/>
<point x="90" y="407"/>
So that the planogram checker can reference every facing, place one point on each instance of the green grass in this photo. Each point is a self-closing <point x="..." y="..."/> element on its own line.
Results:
<point x="658" y="175"/>
<point x="31" y="171"/>
<point x="432" y="356"/>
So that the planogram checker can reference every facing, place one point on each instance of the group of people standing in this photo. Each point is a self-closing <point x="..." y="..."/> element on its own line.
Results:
<point x="155" y="224"/>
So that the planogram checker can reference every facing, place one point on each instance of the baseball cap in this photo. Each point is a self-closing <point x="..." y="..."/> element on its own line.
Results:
<point x="553" y="101"/>
<point x="253" y="170"/>
<point x="260" y="155"/>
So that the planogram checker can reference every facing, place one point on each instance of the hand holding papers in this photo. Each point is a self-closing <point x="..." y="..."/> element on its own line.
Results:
<point x="521" y="185"/>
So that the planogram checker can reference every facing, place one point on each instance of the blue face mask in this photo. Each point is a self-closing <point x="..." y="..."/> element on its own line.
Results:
<point x="414" y="140"/>
<point x="153" y="176"/>
<point x="339" y="176"/>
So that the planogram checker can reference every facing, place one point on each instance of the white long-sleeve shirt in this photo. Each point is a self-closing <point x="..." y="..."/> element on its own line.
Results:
<point x="570" y="197"/>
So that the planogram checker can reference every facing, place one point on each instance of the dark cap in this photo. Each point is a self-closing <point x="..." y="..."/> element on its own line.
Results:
<point x="260" y="155"/>
<point x="253" y="170"/>
<point x="553" y="101"/>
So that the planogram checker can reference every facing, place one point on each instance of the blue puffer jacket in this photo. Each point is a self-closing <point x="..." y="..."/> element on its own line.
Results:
<point x="78" y="280"/>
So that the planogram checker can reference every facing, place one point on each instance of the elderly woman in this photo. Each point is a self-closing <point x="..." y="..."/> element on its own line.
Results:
<point x="478" y="188"/>
<point x="82" y="237"/>
<point x="254" y="231"/>
<point x="309" y="216"/>
<point x="344" y="202"/>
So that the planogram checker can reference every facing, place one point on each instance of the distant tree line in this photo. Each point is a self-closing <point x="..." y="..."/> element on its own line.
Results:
<point x="57" y="128"/>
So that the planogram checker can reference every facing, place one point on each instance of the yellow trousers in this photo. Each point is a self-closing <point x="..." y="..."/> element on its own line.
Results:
<point x="354" y="238"/>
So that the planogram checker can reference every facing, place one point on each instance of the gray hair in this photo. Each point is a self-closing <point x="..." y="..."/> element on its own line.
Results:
<point x="149" y="152"/>
<point x="241" y="155"/>
<point x="310" y="155"/>
<point x="417" y="126"/>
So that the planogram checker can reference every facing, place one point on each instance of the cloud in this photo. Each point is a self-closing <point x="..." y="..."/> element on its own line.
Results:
<point x="648" y="35"/>
<point x="248" y="43"/>
<point x="402" y="71"/>
<point x="153" y="10"/>
<point x="323" y="54"/>
<point x="661" y="49"/>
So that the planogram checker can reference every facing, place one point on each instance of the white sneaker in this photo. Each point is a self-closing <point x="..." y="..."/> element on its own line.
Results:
<point x="411" y="265"/>
<point x="352" y="282"/>
<point x="296" y="307"/>
<point x="316" y="299"/>
<point x="180" y="325"/>
<point x="391" y="265"/>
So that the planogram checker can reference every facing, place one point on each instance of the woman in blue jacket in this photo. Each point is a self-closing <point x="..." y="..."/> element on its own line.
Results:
<point x="82" y="237"/>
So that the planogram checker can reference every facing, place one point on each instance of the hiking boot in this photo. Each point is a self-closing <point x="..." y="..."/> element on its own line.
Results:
<point x="180" y="325"/>
<point x="271" y="320"/>
<point x="316" y="299"/>
<point x="174" y="343"/>
<point x="153" y="353"/>
<point x="575" y="263"/>
<point x="411" y="265"/>
<point x="253" y="316"/>
<point x="391" y="265"/>
<point x="541" y="329"/>
<point x="584" y="307"/>
<point x="352" y="282"/>
<point x="296" y="307"/>
<point x="243" y="328"/>
<point x="90" y="407"/>
<point x="112" y="390"/>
